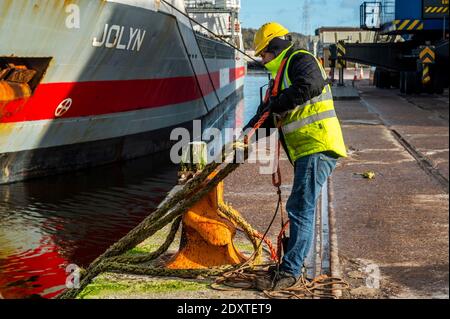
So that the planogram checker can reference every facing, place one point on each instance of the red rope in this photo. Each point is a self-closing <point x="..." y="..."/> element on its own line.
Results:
<point x="273" y="251"/>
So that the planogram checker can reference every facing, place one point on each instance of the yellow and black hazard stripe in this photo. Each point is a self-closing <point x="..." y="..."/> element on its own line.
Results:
<point x="408" y="25"/>
<point x="341" y="51"/>
<point x="436" y="10"/>
<point x="426" y="78"/>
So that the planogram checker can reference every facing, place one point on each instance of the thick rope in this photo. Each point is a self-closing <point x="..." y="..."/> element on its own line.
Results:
<point x="191" y="193"/>
<point x="245" y="278"/>
<point x="142" y="258"/>
<point x="242" y="278"/>
<point x="228" y="212"/>
<point x="252" y="234"/>
<point x="320" y="287"/>
<point x="122" y="264"/>
<point x="163" y="272"/>
<point x="145" y="230"/>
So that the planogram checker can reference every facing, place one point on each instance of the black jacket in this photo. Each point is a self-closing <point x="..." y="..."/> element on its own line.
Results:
<point x="307" y="83"/>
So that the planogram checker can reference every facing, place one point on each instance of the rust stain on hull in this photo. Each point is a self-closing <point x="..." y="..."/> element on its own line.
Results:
<point x="11" y="91"/>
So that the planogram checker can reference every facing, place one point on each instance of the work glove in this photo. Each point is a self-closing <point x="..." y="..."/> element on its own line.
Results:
<point x="262" y="108"/>
<point x="274" y="104"/>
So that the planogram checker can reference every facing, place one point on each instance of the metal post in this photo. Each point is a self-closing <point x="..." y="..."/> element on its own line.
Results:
<point x="341" y="77"/>
<point x="443" y="29"/>
<point x="341" y="51"/>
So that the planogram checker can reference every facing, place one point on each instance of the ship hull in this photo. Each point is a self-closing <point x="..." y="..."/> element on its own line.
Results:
<point x="155" y="145"/>
<point x="114" y="87"/>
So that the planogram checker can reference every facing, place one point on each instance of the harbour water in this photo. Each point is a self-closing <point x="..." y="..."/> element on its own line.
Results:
<point x="50" y="223"/>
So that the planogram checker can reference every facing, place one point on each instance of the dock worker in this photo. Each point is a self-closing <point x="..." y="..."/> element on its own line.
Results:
<point x="309" y="130"/>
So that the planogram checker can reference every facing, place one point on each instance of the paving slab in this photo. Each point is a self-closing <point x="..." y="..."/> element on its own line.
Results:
<point x="345" y="92"/>
<point x="398" y="222"/>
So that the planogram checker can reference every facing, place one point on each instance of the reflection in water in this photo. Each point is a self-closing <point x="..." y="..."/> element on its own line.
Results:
<point x="49" y="223"/>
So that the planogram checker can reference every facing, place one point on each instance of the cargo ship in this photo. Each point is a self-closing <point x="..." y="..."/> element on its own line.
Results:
<point x="90" y="82"/>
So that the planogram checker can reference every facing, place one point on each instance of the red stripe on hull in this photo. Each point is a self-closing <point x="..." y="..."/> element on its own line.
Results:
<point x="237" y="73"/>
<point x="205" y="82"/>
<point x="106" y="97"/>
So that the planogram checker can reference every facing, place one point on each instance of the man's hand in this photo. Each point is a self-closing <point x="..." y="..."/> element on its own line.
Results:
<point x="274" y="104"/>
<point x="263" y="108"/>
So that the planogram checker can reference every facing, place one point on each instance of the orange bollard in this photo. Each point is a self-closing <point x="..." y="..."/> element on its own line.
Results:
<point x="207" y="238"/>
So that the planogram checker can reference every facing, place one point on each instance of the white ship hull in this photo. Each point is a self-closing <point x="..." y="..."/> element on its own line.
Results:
<point x="109" y="86"/>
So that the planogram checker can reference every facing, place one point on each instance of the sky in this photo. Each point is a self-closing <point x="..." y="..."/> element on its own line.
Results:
<point x="342" y="13"/>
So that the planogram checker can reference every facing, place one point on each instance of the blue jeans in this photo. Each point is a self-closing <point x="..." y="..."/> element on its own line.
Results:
<point x="310" y="174"/>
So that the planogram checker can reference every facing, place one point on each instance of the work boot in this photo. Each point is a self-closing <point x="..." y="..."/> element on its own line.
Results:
<point x="284" y="280"/>
<point x="266" y="282"/>
<point x="276" y="280"/>
<point x="272" y="270"/>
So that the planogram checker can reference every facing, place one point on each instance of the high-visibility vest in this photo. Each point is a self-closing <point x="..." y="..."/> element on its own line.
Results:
<point x="312" y="127"/>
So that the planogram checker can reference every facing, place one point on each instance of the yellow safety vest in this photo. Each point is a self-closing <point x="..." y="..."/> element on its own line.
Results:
<point x="313" y="126"/>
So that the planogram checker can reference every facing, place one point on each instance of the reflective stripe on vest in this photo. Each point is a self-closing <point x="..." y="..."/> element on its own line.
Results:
<point x="325" y="96"/>
<point x="293" y="115"/>
<point x="289" y="128"/>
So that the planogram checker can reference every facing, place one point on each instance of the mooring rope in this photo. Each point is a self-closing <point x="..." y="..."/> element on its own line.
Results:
<point x="142" y="258"/>
<point x="145" y="230"/>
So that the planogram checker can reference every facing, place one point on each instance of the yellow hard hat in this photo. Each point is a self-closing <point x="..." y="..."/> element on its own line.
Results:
<point x="267" y="33"/>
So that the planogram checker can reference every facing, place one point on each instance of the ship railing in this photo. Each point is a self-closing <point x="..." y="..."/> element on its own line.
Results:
<point x="212" y="4"/>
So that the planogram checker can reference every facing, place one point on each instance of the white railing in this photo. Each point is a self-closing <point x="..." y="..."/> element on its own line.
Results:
<point x="229" y="4"/>
<point x="220" y="4"/>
